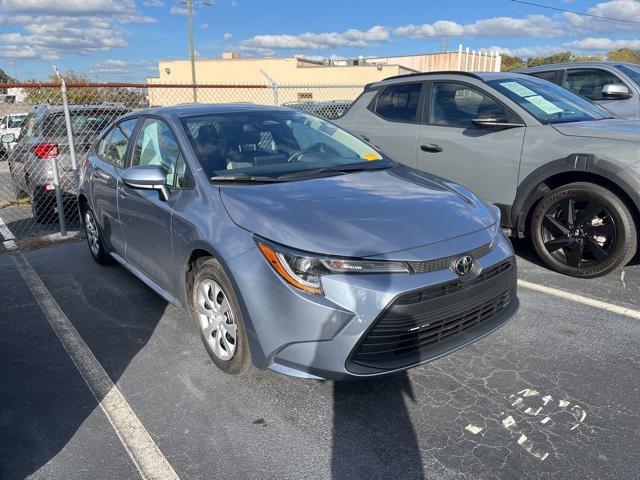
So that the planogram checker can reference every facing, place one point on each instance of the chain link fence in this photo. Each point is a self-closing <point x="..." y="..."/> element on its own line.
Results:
<point x="51" y="129"/>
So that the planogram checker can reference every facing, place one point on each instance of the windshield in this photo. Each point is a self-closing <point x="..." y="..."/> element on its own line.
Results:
<point x="15" y="121"/>
<point x="276" y="144"/>
<point x="632" y="72"/>
<point x="548" y="102"/>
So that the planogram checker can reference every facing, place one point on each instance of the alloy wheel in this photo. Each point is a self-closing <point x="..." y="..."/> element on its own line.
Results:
<point x="92" y="233"/>
<point x="579" y="232"/>
<point x="216" y="319"/>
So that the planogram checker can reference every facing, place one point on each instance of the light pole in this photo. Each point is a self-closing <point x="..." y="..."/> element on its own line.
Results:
<point x="190" y="4"/>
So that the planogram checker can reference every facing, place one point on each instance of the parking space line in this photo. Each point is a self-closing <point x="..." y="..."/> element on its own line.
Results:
<point x="144" y="452"/>
<point x="609" y="307"/>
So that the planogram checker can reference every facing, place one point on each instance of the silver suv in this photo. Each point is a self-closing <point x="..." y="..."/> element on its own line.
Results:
<point x="562" y="170"/>
<point x="614" y="85"/>
<point x="42" y="140"/>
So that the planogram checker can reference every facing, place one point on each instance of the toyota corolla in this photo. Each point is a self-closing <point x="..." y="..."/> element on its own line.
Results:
<point x="294" y="245"/>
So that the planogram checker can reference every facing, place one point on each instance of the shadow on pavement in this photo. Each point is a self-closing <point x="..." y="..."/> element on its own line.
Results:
<point x="44" y="400"/>
<point x="373" y="436"/>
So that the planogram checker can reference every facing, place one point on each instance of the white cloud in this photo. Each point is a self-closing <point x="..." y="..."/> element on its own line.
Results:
<point x="498" y="27"/>
<point x="114" y="69"/>
<point x="154" y="3"/>
<point x="319" y="41"/>
<point x="595" y="44"/>
<point x="45" y="30"/>
<point x="227" y="36"/>
<point x="179" y="10"/>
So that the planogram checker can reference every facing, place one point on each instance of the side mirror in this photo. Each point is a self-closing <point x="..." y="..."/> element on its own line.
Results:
<point x="8" y="138"/>
<point x="495" y="120"/>
<point x="147" y="177"/>
<point x="616" y="91"/>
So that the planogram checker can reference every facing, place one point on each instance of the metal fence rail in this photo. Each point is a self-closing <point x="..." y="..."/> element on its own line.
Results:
<point x="39" y="170"/>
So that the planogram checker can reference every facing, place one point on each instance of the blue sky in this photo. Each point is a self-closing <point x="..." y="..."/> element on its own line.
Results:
<point x="123" y="39"/>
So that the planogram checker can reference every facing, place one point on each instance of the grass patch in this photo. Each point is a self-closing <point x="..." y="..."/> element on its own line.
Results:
<point x="14" y="203"/>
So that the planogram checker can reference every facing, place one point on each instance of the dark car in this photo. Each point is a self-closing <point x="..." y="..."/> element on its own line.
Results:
<point x="43" y="148"/>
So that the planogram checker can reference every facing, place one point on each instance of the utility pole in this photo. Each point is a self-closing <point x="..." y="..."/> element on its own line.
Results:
<point x="192" y="52"/>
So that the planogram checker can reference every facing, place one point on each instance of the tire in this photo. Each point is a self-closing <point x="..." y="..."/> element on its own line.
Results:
<point x="217" y="320"/>
<point x="583" y="230"/>
<point x="43" y="209"/>
<point x="94" y="238"/>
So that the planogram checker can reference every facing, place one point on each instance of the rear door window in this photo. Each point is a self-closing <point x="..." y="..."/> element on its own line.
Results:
<point x="113" y="147"/>
<point x="82" y="123"/>
<point x="399" y="103"/>
<point x="550" y="76"/>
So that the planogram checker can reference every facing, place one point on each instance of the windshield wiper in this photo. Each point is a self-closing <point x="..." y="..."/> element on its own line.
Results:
<point x="338" y="169"/>
<point x="244" y="179"/>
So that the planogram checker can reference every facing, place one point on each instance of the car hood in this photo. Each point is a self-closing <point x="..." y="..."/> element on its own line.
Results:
<point x="613" y="129"/>
<point x="358" y="214"/>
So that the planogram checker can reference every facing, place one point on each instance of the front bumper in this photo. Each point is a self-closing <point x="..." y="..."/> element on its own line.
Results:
<point x="333" y="336"/>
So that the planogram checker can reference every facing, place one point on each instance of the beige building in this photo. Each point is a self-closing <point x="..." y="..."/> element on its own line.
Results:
<point x="280" y="81"/>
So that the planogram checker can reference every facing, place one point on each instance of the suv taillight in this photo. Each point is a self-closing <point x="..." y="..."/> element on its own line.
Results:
<point x="46" y="150"/>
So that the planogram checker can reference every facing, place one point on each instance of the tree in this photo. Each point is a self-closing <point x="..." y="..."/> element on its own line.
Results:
<point x="4" y="78"/>
<point x="81" y="91"/>
<point x="512" y="63"/>
<point x="624" y="55"/>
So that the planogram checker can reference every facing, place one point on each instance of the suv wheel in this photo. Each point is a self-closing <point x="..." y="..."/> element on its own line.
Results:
<point x="583" y="230"/>
<point x="94" y="240"/>
<point x="215" y="309"/>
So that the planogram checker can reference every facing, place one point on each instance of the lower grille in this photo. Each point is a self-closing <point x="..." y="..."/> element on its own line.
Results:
<point x="417" y="327"/>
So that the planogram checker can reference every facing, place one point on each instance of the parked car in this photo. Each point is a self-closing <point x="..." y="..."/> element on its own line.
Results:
<point x="293" y="243"/>
<point x="330" y="109"/>
<point x="563" y="171"/>
<point x="614" y="85"/>
<point x="42" y="140"/>
<point x="10" y="124"/>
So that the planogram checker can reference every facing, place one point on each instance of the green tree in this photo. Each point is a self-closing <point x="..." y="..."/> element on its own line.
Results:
<point x="511" y="63"/>
<point x="624" y="55"/>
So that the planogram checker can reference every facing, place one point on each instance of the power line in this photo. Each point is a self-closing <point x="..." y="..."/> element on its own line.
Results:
<point x="557" y="9"/>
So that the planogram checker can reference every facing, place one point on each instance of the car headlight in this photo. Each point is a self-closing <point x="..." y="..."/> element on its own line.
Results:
<point x="304" y="270"/>
<point x="497" y="227"/>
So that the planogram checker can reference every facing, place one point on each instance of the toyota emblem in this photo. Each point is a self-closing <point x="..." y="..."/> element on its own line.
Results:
<point x="464" y="265"/>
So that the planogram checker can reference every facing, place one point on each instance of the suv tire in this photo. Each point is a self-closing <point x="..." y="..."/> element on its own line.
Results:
<point x="214" y="307"/>
<point x="583" y="230"/>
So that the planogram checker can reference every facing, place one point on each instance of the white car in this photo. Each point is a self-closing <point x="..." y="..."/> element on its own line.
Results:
<point x="11" y="123"/>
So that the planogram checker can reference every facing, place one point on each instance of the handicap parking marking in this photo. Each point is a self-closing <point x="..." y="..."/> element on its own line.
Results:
<point x="559" y="417"/>
<point x="144" y="452"/>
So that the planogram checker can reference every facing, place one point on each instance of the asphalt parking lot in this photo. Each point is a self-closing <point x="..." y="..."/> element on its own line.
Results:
<point x="554" y="392"/>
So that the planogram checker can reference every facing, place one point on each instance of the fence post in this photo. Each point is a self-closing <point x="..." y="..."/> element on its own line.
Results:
<point x="54" y="160"/>
<point x="274" y="87"/>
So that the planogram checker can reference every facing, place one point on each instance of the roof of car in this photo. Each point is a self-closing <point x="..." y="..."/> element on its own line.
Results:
<point x="484" y="76"/>
<point x="555" y="66"/>
<point x="193" y="109"/>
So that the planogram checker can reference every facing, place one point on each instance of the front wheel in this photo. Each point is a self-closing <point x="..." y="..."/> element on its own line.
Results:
<point x="583" y="230"/>
<point x="217" y="314"/>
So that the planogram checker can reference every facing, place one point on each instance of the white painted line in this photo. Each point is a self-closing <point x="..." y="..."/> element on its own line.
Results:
<point x="473" y="429"/>
<point x="8" y="240"/>
<point x="144" y="452"/>
<point x="609" y="307"/>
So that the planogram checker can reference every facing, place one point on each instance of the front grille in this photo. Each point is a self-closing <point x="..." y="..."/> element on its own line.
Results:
<point x="445" y="262"/>
<point x="424" y="324"/>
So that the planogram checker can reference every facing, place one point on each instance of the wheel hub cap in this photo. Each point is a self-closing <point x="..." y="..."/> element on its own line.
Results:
<point x="216" y="319"/>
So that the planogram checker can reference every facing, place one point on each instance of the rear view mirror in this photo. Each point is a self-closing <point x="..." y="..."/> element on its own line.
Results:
<point x="8" y="138"/>
<point x="147" y="177"/>
<point x="616" y="91"/>
<point x="495" y="120"/>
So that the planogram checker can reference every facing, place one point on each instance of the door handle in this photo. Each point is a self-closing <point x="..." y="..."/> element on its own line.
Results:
<point x="431" y="148"/>
<point x="122" y="192"/>
<point x="365" y="138"/>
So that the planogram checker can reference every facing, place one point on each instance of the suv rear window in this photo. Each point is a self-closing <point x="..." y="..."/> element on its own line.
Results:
<point x="82" y="123"/>
<point x="399" y="102"/>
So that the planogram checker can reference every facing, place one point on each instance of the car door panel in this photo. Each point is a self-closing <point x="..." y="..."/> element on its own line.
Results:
<point x="104" y="181"/>
<point x="484" y="160"/>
